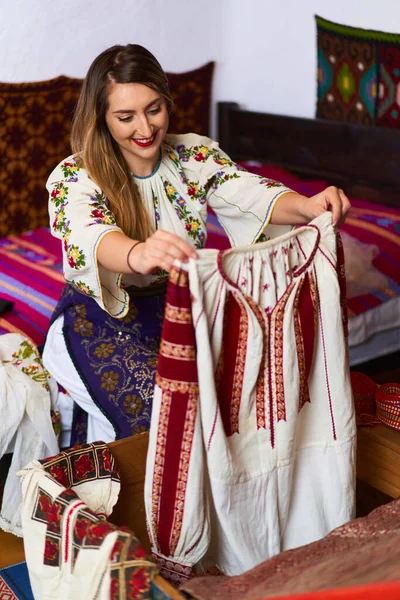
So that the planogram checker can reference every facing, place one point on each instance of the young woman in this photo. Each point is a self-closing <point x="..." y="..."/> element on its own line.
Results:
<point x="130" y="201"/>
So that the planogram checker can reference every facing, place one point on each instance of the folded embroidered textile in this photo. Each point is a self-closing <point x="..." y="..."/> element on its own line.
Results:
<point x="26" y="427"/>
<point x="253" y="425"/>
<point x="71" y="550"/>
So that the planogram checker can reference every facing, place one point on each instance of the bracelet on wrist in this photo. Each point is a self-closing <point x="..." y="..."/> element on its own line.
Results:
<point x="128" y="255"/>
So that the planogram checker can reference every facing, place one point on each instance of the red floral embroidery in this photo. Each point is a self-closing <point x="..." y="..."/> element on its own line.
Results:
<point x="114" y="587"/>
<point x="138" y="583"/>
<point x="96" y="534"/>
<point x="50" y="551"/>
<point x="44" y="503"/>
<point x="83" y="466"/>
<point x="106" y="454"/>
<point x="60" y="474"/>
<point x="81" y="527"/>
<point x="54" y="516"/>
<point x="117" y="548"/>
<point x="135" y="551"/>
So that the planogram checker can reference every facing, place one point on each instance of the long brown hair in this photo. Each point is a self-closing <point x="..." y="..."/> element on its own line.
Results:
<point x="94" y="147"/>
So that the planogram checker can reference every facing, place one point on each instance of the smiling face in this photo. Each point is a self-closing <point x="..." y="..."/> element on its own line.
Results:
<point x="137" y="119"/>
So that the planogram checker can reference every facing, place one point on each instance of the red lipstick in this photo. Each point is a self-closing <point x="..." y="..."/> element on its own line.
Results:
<point x="145" y="142"/>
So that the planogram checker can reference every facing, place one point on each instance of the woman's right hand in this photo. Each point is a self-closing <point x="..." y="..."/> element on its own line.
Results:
<point x="160" y="250"/>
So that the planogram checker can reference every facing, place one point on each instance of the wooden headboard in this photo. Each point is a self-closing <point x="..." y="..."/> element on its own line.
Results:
<point x="364" y="161"/>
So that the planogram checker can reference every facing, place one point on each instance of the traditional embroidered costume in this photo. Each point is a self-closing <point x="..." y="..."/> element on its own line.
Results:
<point x="107" y="362"/>
<point x="71" y="550"/>
<point x="252" y="438"/>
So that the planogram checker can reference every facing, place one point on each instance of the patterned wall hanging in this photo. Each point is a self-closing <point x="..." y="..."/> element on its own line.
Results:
<point x="358" y="75"/>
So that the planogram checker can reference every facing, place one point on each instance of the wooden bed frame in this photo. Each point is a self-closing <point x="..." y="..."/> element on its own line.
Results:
<point x="364" y="161"/>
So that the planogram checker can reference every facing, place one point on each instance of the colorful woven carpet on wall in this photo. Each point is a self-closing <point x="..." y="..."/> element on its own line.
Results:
<point x="358" y="75"/>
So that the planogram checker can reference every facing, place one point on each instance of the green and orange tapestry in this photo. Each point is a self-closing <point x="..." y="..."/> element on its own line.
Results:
<point x="358" y="75"/>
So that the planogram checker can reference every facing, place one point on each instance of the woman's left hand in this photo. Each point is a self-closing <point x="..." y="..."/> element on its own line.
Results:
<point x="333" y="199"/>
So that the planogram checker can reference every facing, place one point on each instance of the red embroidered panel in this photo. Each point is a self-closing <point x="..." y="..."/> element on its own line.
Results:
<point x="42" y="506"/>
<point x="173" y="449"/>
<point x="304" y="326"/>
<point x="276" y="345"/>
<point x="230" y="369"/>
<point x="53" y="540"/>
<point x="89" y="462"/>
<point x="177" y="358"/>
<point x="263" y="376"/>
<point x="177" y="377"/>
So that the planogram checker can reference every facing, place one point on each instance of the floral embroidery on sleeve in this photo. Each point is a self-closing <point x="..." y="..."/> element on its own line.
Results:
<point x="202" y="154"/>
<point x="59" y="194"/>
<point x="75" y="256"/>
<point x="99" y="211"/>
<point x="270" y="183"/>
<point x="196" y="191"/>
<point x="99" y="214"/>
<point x="27" y="358"/>
<point x="60" y="222"/>
<point x="219" y="178"/>
<point x="70" y="170"/>
<point x="81" y="286"/>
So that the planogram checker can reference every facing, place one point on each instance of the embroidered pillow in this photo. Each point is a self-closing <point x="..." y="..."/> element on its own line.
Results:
<point x="358" y="75"/>
<point x="191" y="92"/>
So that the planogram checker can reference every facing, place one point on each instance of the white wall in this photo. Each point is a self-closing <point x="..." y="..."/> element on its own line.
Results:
<point x="265" y="49"/>
<point x="269" y="62"/>
<point x="40" y="39"/>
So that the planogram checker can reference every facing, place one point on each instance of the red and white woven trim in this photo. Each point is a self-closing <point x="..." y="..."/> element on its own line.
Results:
<point x="388" y="405"/>
<point x="171" y="570"/>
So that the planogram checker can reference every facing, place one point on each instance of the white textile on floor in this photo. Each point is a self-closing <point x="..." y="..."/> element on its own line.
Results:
<point x="25" y="421"/>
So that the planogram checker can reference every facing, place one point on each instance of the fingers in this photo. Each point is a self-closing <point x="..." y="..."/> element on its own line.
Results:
<point x="175" y="243"/>
<point x="346" y="205"/>
<point x="339" y="204"/>
<point x="162" y="249"/>
<point x="335" y="203"/>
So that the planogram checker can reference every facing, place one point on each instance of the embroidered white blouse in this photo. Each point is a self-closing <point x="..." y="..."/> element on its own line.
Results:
<point x="252" y="436"/>
<point x="192" y="173"/>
